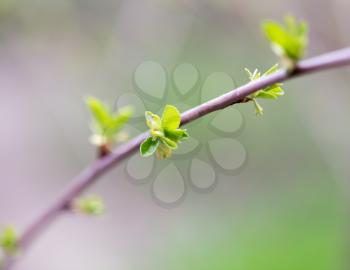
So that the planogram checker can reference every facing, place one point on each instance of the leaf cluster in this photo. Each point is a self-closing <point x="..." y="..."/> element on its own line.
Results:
<point x="289" y="40"/>
<point x="106" y="123"/>
<point x="165" y="133"/>
<point x="270" y="92"/>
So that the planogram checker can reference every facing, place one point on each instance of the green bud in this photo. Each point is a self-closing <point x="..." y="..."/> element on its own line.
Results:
<point x="9" y="240"/>
<point x="90" y="205"/>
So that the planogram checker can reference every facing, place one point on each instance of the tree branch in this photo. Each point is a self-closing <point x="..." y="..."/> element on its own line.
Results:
<point x="91" y="174"/>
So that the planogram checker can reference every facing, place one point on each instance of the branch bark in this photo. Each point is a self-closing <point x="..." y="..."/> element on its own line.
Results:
<point x="92" y="173"/>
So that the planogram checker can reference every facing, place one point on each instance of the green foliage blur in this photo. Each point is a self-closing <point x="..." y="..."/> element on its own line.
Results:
<point x="288" y="41"/>
<point x="106" y="124"/>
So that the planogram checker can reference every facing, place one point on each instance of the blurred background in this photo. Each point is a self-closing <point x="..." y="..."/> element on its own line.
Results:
<point x="288" y="207"/>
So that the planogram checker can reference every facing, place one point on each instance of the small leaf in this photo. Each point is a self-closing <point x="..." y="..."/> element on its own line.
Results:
<point x="153" y="121"/>
<point x="171" y="118"/>
<point x="100" y="112"/>
<point x="289" y="40"/>
<point x="258" y="109"/>
<point x="170" y="143"/>
<point x="118" y="121"/>
<point x="90" y="205"/>
<point x="106" y="124"/>
<point x="249" y="73"/>
<point x="157" y="134"/>
<point x="270" y="93"/>
<point x="253" y="76"/>
<point x="176" y="135"/>
<point x="149" y="146"/>
<point x="9" y="240"/>
<point x="271" y="70"/>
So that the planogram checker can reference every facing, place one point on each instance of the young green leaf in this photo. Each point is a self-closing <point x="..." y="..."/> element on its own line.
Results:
<point x="270" y="92"/>
<point x="168" y="142"/>
<point x="165" y="133"/>
<point x="118" y="121"/>
<point x="176" y="135"/>
<point x="171" y="118"/>
<point x="149" y="146"/>
<point x="106" y="124"/>
<point x="289" y="40"/>
<point x="153" y="121"/>
<point x="259" y="111"/>
<point x="100" y="113"/>
<point x="9" y="240"/>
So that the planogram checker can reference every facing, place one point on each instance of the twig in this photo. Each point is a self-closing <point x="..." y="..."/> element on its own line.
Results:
<point x="99" y="167"/>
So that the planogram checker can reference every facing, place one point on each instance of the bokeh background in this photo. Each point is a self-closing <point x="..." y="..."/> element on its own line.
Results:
<point x="288" y="208"/>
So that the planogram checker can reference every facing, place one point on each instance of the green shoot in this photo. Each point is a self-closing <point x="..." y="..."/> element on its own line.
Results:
<point x="106" y="124"/>
<point x="270" y="92"/>
<point x="288" y="41"/>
